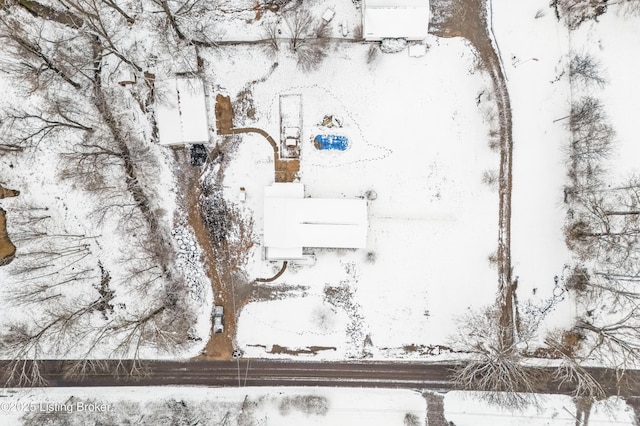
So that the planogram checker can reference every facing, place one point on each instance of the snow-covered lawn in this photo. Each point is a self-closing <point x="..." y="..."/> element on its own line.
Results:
<point x="613" y="42"/>
<point x="534" y="55"/>
<point x="419" y="140"/>
<point x="212" y="406"/>
<point x="466" y="409"/>
<point x="284" y="406"/>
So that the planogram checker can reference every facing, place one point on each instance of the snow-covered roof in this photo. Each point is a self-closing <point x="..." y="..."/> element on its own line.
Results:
<point x="395" y="19"/>
<point x="292" y="222"/>
<point x="181" y="112"/>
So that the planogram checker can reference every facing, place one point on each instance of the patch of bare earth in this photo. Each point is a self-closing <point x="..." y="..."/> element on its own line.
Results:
<point x="7" y="249"/>
<point x="286" y="170"/>
<point x="435" y="409"/>
<point x="426" y="350"/>
<point x="468" y="19"/>
<point x="262" y="292"/>
<point x="220" y="346"/>
<point x="309" y="350"/>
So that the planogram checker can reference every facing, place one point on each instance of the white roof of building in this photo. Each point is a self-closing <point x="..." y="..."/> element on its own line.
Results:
<point x="181" y="112"/>
<point x="395" y="19"/>
<point x="292" y="222"/>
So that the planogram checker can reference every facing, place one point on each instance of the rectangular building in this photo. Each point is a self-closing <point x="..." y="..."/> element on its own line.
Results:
<point x="293" y="222"/>
<point x="408" y="19"/>
<point x="181" y="111"/>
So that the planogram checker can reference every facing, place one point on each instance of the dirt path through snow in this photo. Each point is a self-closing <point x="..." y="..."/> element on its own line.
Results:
<point x="471" y="19"/>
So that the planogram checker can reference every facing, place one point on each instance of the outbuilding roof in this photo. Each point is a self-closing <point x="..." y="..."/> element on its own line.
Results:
<point x="180" y="111"/>
<point x="407" y="19"/>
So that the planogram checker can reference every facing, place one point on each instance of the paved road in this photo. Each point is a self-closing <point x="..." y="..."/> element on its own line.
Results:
<point x="264" y="373"/>
<point x="407" y="375"/>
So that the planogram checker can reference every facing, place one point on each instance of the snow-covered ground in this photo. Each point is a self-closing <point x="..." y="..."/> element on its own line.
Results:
<point x="467" y="409"/>
<point x="418" y="139"/>
<point x="419" y="130"/>
<point x="248" y="23"/>
<point x="284" y="406"/>
<point x="613" y="43"/>
<point x="55" y="224"/>
<point x="534" y="53"/>
<point x="212" y="406"/>
<point x="536" y="57"/>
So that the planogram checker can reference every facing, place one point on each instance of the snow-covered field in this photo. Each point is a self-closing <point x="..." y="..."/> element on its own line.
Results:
<point x="466" y="409"/>
<point x="212" y="406"/>
<point x="613" y="42"/>
<point x="419" y="133"/>
<point x="536" y="53"/>
<point x="283" y="406"/>
<point x="418" y="139"/>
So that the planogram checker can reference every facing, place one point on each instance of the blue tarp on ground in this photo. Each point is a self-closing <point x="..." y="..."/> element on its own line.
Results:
<point x="336" y="142"/>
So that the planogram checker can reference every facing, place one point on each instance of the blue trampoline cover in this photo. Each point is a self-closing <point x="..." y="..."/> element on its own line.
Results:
<point x="336" y="142"/>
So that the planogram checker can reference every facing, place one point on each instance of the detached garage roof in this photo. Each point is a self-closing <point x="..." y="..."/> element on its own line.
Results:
<point x="395" y="19"/>
<point x="292" y="222"/>
<point x="181" y="112"/>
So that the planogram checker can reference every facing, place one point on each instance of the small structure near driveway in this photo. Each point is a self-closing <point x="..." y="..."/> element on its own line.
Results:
<point x="407" y="19"/>
<point x="181" y="111"/>
<point x="290" y="125"/>
<point x="293" y="222"/>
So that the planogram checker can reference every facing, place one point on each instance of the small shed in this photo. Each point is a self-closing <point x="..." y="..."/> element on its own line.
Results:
<point x="181" y="111"/>
<point x="407" y="19"/>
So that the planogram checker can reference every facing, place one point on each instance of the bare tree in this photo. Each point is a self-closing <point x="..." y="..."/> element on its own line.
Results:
<point x="307" y="38"/>
<point x="41" y="63"/>
<point x="310" y="56"/>
<point x="76" y="111"/>
<point x="271" y="30"/>
<point x="301" y="26"/>
<point x="192" y="21"/>
<point x="93" y="14"/>
<point x="576" y="12"/>
<point x="572" y="373"/>
<point x="586" y="69"/>
<point x="631" y="7"/>
<point x="494" y="369"/>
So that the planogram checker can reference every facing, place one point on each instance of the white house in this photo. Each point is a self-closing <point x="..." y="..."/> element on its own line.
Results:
<point x="292" y="222"/>
<point x="408" y="19"/>
<point x="181" y="111"/>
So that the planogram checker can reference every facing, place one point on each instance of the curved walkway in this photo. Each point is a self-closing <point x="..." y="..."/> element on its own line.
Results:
<point x="285" y="170"/>
<point x="266" y="135"/>
<point x="276" y="276"/>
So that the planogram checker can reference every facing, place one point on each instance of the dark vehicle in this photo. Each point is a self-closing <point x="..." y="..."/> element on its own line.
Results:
<point x="198" y="154"/>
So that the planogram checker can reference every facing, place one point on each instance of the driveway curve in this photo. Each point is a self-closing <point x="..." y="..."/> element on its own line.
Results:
<point x="471" y="19"/>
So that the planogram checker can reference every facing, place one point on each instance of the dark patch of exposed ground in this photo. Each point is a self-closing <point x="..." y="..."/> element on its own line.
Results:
<point x="310" y="350"/>
<point x="435" y="409"/>
<point x="7" y="249"/>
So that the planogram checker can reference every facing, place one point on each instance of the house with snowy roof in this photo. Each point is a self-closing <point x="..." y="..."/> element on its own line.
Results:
<point x="407" y="19"/>
<point x="293" y="222"/>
